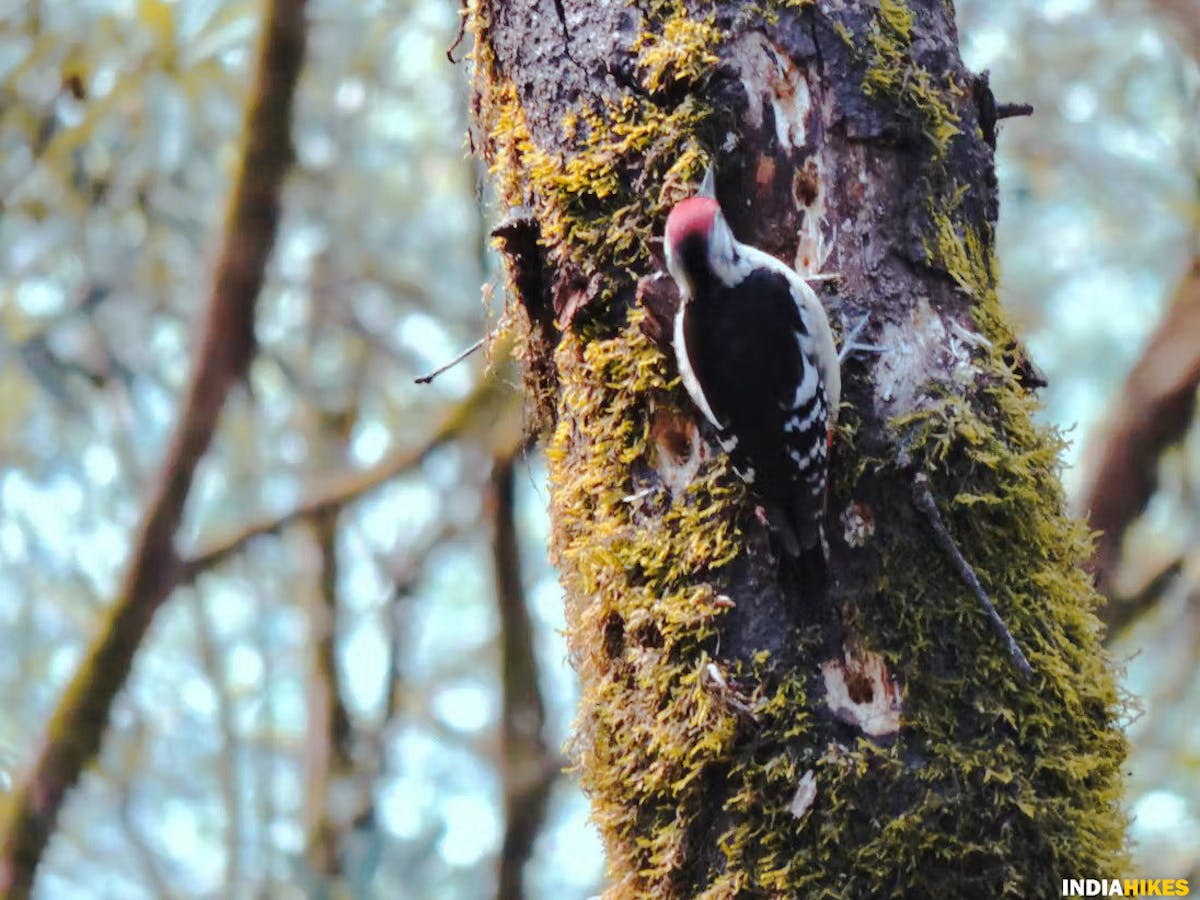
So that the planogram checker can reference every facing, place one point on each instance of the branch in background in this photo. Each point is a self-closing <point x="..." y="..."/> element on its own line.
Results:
<point x="145" y="855"/>
<point x="266" y="725"/>
<point x="1185" y="15"/>
<point x="329" y="756"/>
<point x="230" y="785"/>
<point x="403" y="570"/>
<point x="527" y="768"/>
<point x="227" y="346"/>
<point x="488" y="413"/>
<point x="1156" y="408"/>
<point x="344" y="759"/>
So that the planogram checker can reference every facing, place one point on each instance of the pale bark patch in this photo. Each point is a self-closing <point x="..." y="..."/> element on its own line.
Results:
<point x="860" y="692"/>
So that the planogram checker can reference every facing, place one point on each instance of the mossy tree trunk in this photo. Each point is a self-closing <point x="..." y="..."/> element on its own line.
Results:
<point x="736" y="736"/>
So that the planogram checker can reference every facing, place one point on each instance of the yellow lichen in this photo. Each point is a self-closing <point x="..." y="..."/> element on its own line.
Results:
<point x="959" y="249"/>
<point x="601" y="440"/>
<point x="892" y="72"/>
<point x="591" y="213"/>
<point x="681" y="54"/>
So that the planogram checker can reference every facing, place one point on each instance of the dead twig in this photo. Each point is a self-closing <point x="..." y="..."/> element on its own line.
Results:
<point x="425" y="379"/>
<point x="463" y="14"/>
<point x="1013" y="110"/>
<point x="923" y="500"/>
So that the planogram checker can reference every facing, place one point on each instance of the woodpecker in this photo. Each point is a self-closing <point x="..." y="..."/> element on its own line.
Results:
<point x="757" y="357"/>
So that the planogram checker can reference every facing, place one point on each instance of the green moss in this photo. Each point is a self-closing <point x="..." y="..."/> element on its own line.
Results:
<point x="593" y="214"/>
<point x="893" y="73"/>
<point x="1045" y="759"/>
<point x="602" y="440"/>
<point x="641" y="610"/>
<point x="961" y="251"/>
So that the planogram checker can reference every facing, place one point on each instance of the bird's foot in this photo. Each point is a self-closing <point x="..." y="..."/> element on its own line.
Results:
<point x="851" y="345"/>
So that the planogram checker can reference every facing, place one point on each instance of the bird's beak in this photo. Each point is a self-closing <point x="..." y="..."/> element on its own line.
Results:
<point x="708" y="187"/>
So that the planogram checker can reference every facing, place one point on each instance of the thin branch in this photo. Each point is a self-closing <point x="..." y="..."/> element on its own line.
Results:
<point x="227" y="757"/>
<point x="458" y="38"/>
<point x="402" y="569"/>
<point x="227" y="346"/>
<point x="144" y="853"/>
<point x="265" y="760"/>
<point x="923" y="500"/>
<point x="528" y="769"/>
<point x="1013" y="110"/>
<point x="146" y="856"/>
<point x="489" y="409"/>
<point x="329" y="757"/>
<point x="426" y="379"/>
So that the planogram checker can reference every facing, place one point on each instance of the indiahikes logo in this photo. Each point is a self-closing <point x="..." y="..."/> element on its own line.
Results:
<point x="1125" y="887"/>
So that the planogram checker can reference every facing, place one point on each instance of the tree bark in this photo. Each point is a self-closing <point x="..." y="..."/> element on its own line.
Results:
<point x="741" y="733"/>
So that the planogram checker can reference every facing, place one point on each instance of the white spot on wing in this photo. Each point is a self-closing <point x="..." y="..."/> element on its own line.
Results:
<point x="807" y="386"/>
<point x="807" y="422"/>
<point x="747" y="474"/>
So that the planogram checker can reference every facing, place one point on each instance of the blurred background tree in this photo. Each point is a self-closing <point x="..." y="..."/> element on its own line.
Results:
<point x="339" y="695"/>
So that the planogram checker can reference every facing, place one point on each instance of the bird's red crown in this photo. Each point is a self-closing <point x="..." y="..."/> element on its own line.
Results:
<point x="693" y="216"/>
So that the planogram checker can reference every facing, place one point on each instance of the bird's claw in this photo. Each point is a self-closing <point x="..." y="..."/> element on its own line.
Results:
<point x="851" y="346"/>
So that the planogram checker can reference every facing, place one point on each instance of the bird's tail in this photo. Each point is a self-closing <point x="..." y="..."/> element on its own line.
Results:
<point x="801" y="545"/>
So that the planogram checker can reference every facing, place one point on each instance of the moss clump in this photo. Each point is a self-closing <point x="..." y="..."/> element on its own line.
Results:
<point x="962" y="251"/>
<point x="892" y="72"/>
<point x="594" y="216"/>
<point x="602" y="455"/>
<point x="680" y="55"/>
<point x="591" y="215"/>
<point x="1042" y="759"/>
<point x="636" y="563"/>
